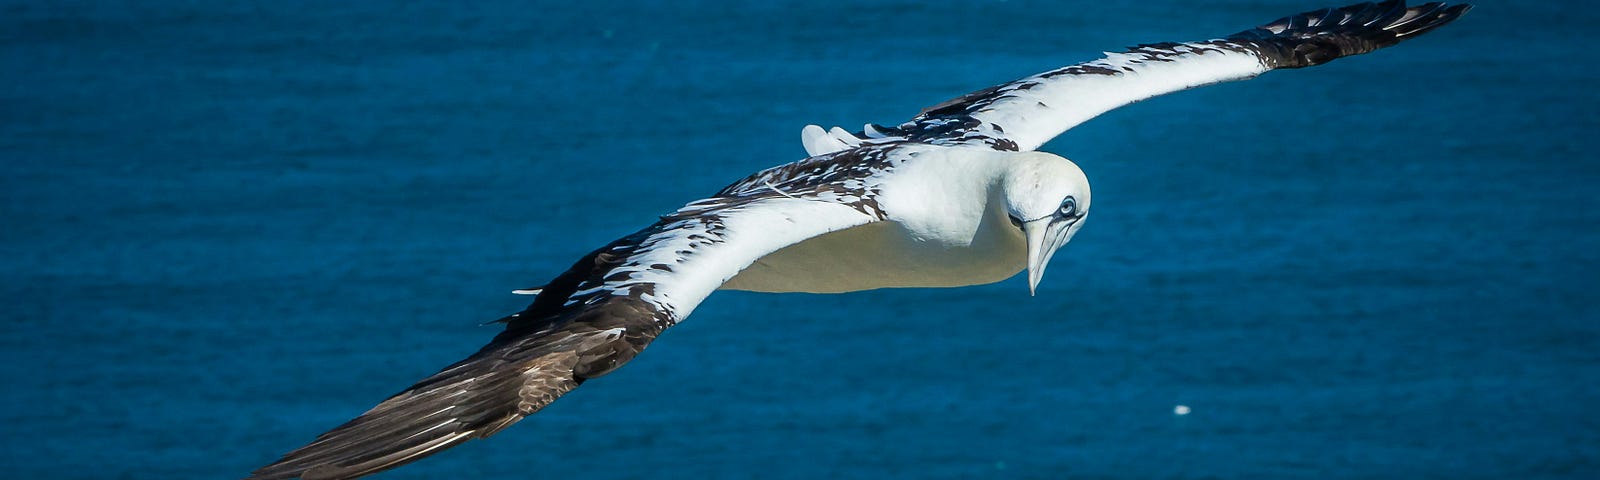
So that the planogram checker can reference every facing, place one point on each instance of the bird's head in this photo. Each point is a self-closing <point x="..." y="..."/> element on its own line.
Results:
<point x="1047" y="198"/>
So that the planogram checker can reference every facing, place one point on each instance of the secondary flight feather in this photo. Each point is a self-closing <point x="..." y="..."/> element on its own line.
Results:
<point x="952" y="197"/>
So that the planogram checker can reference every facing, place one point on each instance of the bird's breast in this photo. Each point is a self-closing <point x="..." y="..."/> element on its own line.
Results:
<point x="882" y="255"/>
<point x="945" y="229"/>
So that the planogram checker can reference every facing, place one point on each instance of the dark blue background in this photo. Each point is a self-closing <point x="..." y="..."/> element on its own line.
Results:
<point x="225" y="228"/>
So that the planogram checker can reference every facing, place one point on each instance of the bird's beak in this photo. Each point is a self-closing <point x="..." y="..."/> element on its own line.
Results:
<point x="1044" y="236"/>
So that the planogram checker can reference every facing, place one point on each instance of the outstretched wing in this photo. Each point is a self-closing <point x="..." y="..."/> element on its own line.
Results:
<point x="1024" y="114"/>
<point x="592" y="319"/>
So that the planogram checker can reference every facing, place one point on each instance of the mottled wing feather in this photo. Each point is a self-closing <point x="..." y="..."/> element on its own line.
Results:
<point x="845" y="176"/>
<point x="595" y="317"/>
<point x="1024" y="114"/>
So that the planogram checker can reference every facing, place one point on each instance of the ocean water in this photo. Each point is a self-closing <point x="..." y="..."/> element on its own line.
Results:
<point x="228" y="226"/>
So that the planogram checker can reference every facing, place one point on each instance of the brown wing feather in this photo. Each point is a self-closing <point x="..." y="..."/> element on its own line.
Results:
<point x="507" y="380"/>
<point x="587" y="322"/>
<point x="592" y="319"/>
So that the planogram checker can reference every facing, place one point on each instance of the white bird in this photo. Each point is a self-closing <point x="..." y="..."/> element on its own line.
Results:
<point x="953" y="197"/>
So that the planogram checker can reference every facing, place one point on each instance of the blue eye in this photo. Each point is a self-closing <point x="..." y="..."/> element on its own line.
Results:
<point x="1069" y="207"/>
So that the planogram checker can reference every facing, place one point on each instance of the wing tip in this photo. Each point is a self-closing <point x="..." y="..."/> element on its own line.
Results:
<point x="1320" y="36"/>
<point x="473" y="398"/>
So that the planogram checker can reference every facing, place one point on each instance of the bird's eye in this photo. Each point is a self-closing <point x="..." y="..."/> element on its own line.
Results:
<point x="1069" y="207"/>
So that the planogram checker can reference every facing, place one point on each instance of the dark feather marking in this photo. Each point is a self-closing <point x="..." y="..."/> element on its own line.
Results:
<point x="1295" y="41"/>
<point x="1318" y="37"/>
<point x="511" y="377"/>
<point x="821" y="174"/>
<point x="562" y="339"/>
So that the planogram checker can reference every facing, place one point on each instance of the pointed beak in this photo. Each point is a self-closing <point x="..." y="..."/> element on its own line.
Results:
<point x="1037" y="232"/>
<point x="1044" y="236"/>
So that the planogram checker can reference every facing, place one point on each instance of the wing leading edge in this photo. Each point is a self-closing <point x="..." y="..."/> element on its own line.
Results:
<point x="588" y="322"/>
<point x="1024" y="114"/>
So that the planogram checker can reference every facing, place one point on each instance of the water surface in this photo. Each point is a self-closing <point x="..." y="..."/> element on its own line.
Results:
<point x="229" y="227"/>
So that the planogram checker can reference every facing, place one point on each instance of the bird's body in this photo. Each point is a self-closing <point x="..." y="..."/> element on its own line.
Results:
<point x="945" y="226"/>
<point x="953" y="197"/>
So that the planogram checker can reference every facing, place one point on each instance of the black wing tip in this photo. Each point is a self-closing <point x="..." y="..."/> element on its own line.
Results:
<point x="467" y="400"/>
<point x="1320" y="36"/>
<point x="510" y="378"/>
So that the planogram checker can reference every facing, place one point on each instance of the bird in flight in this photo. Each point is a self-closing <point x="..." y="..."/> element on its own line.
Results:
<point x="956" y="196"/>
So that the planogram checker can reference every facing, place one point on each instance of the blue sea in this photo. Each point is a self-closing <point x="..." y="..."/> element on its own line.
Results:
<point x="226" y="227"/>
